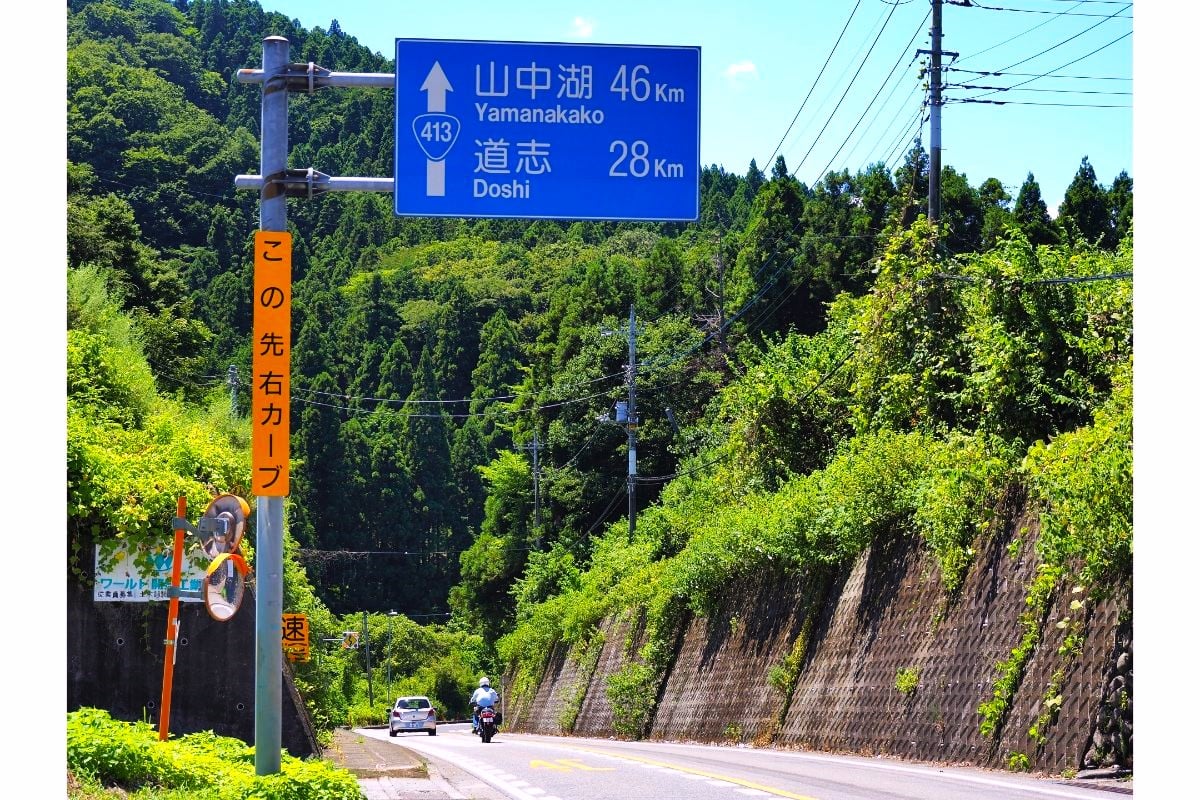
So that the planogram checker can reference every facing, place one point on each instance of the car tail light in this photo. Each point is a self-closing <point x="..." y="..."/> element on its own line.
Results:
<point x="395" y="712"/>
<point x="432" y="714"/>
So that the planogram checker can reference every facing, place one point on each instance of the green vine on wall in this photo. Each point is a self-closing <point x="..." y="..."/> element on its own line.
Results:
<point x="1011" y="670"/>
<point x="1084" y="481"/>
<point x="1071" y="647"/>
<point x="587" y="658"/>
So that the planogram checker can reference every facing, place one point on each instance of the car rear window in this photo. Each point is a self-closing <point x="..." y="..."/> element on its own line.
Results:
<point x="412" y="702"/>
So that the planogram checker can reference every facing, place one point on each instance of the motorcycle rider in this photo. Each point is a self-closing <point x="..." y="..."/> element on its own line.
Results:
<point x="483" y="697"/>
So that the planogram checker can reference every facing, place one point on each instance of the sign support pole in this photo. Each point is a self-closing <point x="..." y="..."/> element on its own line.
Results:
<point x="164" y="717"/>
<point x="268" y="596"/>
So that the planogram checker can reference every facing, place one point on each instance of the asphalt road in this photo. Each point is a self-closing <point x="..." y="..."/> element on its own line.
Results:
<point x="530" y="767"/>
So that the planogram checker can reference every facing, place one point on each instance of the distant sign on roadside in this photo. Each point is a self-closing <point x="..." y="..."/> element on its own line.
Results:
<point x="547" y="130"/>
<point x="125" y="582"/>
<point x="295" y="637"/>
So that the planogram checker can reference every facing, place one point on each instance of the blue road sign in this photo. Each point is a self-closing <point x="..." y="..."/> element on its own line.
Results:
<point x="547" y="130"/>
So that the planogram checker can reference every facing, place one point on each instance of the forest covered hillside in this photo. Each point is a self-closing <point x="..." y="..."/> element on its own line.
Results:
<point x="817" y="367"/>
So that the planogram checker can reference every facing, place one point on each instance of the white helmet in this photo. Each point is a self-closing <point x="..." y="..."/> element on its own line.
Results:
<point x="485" y="683"/>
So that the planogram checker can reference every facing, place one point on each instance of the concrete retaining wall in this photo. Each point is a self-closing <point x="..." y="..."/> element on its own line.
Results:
<point x="884" y="613"/>
<point x="115" y="662"/>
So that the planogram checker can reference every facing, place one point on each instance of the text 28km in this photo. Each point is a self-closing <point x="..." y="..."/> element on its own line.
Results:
<point x="633" y="161"/>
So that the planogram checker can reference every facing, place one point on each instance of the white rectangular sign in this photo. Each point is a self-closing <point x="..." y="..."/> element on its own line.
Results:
<point x="125" y="582"/>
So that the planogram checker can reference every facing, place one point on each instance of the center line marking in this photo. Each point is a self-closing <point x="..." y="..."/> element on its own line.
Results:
<point x="699" y="773"/>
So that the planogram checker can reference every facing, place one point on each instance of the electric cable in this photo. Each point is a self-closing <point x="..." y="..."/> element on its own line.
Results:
<point x="848" y="87"/>
<point x="1064" y="41"/>
<point x="887" y="133"/>
<point x="1046" y="91"/>
<point x="1014" y="38"/>
<point x="1035" y="75"/>
<point x="972" y="4"/>
<point x="876" y="97"/>
<point x="1050" y="72"/>
<point x="814" y="85"/>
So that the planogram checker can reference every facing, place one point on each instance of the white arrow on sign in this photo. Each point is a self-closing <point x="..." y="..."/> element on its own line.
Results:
<point x="436" y="84"/>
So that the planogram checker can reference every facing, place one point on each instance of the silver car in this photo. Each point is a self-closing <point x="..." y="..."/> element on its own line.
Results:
<point x="414" y="713"/>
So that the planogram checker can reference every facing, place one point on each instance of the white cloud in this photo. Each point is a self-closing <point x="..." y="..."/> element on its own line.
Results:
<point x="582" y="28"/>
<point x="736" y="71"/>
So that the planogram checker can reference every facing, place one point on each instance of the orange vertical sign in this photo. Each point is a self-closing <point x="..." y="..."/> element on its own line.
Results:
<point x="271" y="393"/>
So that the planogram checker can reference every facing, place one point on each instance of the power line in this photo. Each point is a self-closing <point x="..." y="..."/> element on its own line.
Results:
<point x="1064" y="41"/>
<point x="99" y="176"/>
<point x="815" y="81"/>
<point x="1031" y="103"/>
<point x="888" y="131"/>
<point x="604" y="514"/>
<point x="1061" y="66"/>
<point x="848" y="87"/>
<point x="1013" y="38"/>
<point x="913" y="89"/>
<point x="911" y="134"/>
<point x="970" y="4"/>
<point x="510" y="412"/>
<point x="1046" y="91"/>
<point x="579" y="452"/>
<point x="1035" y="75"/>
<point x="876" y="97"/>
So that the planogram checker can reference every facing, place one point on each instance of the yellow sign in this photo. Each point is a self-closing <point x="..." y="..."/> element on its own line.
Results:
<point x="272" y="383"/>
<point x="295" y="637"/>
<point x="350" y="640"/>
<point x="295" y="629"/>
<point x="296" y="653"/>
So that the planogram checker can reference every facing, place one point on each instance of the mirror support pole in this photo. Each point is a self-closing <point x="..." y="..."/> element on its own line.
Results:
<point x="164" y="717"/>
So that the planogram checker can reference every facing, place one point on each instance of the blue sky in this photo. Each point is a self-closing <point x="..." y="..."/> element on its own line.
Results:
<point x="760" y="59"/>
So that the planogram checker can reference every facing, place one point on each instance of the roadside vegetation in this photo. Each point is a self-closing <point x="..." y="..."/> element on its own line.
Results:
<point x="109" y="758"/>
<point x="948" y="384"/>
<point x="819" y="371"/>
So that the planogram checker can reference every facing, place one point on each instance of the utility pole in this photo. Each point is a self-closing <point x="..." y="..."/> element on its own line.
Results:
<point x="268" y="594"/>
<point x="534" y="447"/>
<point x="631" y="422"/>
<point x="935" y="54"/>
<point x="367" y="647"/>
<point x="391" y="636"/>
<point x="275" y="183"/>
<point x="233" y="384"/>
<point x="935" y="117"/>
<point x="719" y="297"/>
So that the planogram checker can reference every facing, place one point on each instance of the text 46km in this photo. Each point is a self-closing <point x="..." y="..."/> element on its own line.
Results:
<point x="635" y="84"/>
<point x="633" y="160"/>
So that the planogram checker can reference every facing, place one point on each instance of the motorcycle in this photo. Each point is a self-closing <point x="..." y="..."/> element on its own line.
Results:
<point x="487" y="724"/>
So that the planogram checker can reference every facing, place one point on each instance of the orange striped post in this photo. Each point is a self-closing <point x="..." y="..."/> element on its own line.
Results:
<point x="164" y="718"/>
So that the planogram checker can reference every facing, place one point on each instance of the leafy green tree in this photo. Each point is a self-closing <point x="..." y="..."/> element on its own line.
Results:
<point x="318" y="448"/>
<point x="491" y="565"/>
<point x="1031" y="214"/>
<point x="912" y="187"/>
<point x="395" y="373"/>
<point x="457" y="344"/>
<point x="962" y="213"/>
<point x="769" y="265"/>
<point x="1120" y="200"/>
<point x="997" y="213"/>
<point x="1084" y="212"/>
<point x="435" y="497"/>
